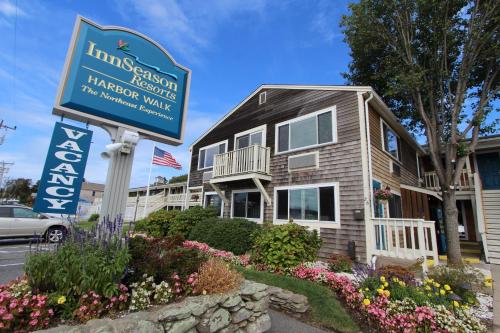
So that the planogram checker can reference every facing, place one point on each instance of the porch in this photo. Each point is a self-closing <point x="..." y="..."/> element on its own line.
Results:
<point x="465" y="183"/>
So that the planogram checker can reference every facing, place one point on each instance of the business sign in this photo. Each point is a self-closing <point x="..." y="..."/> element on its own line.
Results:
<point x="119" y="77"/>
<point x="62" y="177"/>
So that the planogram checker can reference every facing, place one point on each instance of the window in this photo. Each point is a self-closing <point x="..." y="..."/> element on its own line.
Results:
<point x="390" y="141"/>
<point x="395" y="208"/>
<point x="308" y="203"/>
<point x="255" y="136"/>
<point x="378" y="207"/>
<point x="262" y="97"/>
<point x="24" y="213"/>
<point x="4" y="211"/>
<point x="306" y="131"/>
<point x="212" y="199"/>
<point x="206" y="154"/>
<point x="247" y="205"/>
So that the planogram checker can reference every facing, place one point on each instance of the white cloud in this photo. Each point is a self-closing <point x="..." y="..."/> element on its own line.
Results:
<point x="325" y="22"/>
<point x="7" y="8"/>
<point x="186" y="27"/>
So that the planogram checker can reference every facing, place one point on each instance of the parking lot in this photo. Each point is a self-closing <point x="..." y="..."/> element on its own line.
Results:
<point x="13" y="255"/>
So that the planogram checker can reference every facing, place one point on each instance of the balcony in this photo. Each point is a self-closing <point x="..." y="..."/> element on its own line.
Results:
<point x="405" y="238"/>
<point x="176" y="199"/>
<point x="466" y="181"/>
<point x="243" y="163"/>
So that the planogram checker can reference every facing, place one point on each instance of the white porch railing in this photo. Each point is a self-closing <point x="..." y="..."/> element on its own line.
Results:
<point x="466" y="181"/>
<point x="405" y="238"/>
<point x="177" y="198"/>
<point x="245" y="160"/>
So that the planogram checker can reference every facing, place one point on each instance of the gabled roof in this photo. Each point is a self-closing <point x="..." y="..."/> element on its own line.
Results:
<point x="382" y="108"/>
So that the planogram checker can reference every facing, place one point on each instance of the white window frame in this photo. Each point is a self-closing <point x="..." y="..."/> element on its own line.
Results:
<point x="333" y="110"/>
<point x="259" y="220"/>
<point x="262" y="128"/>
<point x="308" y="223"/>
<point x="217" y="194"/>
<point x="226" y="142"/>
<point x="398" y="140"/>
<point x="262" y="97"/>
<point x="315" y="167"/>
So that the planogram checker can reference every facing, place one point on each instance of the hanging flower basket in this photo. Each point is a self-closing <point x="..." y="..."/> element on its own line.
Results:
<point x="383" y="195"/>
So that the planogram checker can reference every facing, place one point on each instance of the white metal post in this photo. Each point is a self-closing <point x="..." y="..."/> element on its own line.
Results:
<point x="149" y="181"/>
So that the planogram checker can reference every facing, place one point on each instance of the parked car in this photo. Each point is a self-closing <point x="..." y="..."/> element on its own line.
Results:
<point x="18" y="221"/>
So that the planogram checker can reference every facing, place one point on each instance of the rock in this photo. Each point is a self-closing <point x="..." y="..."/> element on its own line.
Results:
<point x="63" y="329"/>
<point x="241" y="314"/>
<point x="199" y="306"/>
<point x="172" y="312"/>
<point x="136" y="326"/>
<point x="261" y="305"/>
<point x="249" y="305"/>
<point x="296" y="298"/>
<point x="249" y="288"/>
<point x="100" y="326"/>
<point x="219" y="319"/>
<point x="258" y="295"/>
<point x="184" y="325"/>
<point x="232" y="301"/>
<point x="230" y="329"/>
<point x="261" y="324"/>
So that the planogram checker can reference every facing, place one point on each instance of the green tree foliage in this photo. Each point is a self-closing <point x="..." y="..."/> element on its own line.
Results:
<point x="234" y="235"/>
<point x="435" y="63"/>
<point x="178" y="179"/>
<point x="157" y="223"/>
<point x="20" y="189"/>
<point x="285" y="246"/>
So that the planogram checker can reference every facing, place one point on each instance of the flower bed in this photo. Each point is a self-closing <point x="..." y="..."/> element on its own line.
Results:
<point x="389" y="304"/>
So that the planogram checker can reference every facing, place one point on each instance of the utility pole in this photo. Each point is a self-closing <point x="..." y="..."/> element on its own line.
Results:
<point x="2" y="137"/>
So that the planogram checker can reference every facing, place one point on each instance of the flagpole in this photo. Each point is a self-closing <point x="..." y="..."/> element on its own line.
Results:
<point x="149" y="182"/>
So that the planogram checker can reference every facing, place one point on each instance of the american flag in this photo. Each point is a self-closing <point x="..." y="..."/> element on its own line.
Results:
<point x="161" y="157"/>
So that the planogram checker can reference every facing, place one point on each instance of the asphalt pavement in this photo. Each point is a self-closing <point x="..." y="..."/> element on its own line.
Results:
<point x="13" y="256"/>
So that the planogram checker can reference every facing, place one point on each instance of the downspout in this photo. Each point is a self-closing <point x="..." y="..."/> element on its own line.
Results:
<point x="187" y="198"/>
<point x="370" y="174"/>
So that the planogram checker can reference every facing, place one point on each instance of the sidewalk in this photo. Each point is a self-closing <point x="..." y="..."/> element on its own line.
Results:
<point x="281" y="323"/>
<point x="495" y="273"/>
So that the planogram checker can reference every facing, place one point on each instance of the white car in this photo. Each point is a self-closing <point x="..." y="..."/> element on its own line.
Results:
<point x="20" y="222"/>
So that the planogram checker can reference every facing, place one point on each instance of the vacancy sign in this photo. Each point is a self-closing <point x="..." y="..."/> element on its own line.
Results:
<point x="59" y="189"/>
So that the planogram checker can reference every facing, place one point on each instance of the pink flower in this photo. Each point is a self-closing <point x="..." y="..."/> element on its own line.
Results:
<point x="83" y="308"/>
<point x="13" y="304"/>
<point x="33" y="322"/>
<point x="51" y="312"/>
<point x="8" y="316"/>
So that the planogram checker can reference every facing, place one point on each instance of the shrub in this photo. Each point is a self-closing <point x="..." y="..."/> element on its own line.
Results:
<point x="462" y="280"/>
<point x="78" y="266"/>
<point x="93" y="218"/>
<point x="285" y="246"/>
<point x="395" y="271"/>
<point x="340" y="263"/>
<point x="215" y="277"/>
<point x="234" y="235"/>
<point x="157" y="223"/>
<point x="161" y="258"/>
<point x="187" y="219"/>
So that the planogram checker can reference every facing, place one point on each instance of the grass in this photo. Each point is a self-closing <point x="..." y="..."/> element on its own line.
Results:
<point x="326" y="310"/>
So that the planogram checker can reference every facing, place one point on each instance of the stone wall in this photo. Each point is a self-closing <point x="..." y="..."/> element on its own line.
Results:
<point x="286" y="301"/>
<point x="242" y="311"/>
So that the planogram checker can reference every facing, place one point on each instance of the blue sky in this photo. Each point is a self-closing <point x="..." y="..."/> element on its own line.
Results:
<point x="231" y="46"/>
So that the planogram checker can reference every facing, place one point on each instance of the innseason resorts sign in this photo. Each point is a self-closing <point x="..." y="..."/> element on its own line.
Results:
<point x="118" y="77"/>
<point x="59" y="188"/>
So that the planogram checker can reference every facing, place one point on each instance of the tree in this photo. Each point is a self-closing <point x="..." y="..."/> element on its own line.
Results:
<point x="178" y="179"/>
<point x="436" y="64"/>
<point x="21" y="189"/>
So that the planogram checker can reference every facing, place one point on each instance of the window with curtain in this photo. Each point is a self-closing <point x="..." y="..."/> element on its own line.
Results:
<point x="206" y="155"/>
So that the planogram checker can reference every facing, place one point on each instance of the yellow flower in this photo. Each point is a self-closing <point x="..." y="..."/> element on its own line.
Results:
<point x="380" y="291"/>
<point x="204" y="292"/>
<point x="387" y="293"/>
<point x="427" y="288"/>
<point x="61" y="300"/>
<point x="381" y="286"/>
<point x="447" y="287"/>
<point x="488" y="282"/>
<point x="366" y="302"/>
<point x="437" y="285"/>
<point x="366" y="289"/>
<point x="382" y="279"/>
<point x="386" y="284"/>
<point x="442" y="292"/>
<point x="456" y="304"/>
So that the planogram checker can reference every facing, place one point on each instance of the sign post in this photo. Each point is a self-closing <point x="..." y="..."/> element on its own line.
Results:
<point x="129" y="85"/>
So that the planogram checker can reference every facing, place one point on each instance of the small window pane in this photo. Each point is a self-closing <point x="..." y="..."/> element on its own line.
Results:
<point x="327" y="203"/>
<point x="325" y="127"/>
<point x="256" y="139"/>
<point x="4" y="211"/>
<point x="310" y="199"/>
<point x="296" y="204"/>
<point x="213" y="200"/>
<point x="395" y="209"/>
<point x="282" y="204"/>
<point x="201" y="160"/>
<point x="242" y="141"/>
<point x="239" y="204"/>
<point x="283" y="137"/>
<point x="390" y="141"/>
<point x="24" y="213"/>
<point x="303" y="133"/>
<point x="222" y="148"/>
<point x="253" y="205"/>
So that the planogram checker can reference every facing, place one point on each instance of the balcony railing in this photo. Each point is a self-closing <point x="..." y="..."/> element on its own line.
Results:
<point x="253" y="159"/>
<point x="466" y="181"/>
<point x="178" y="198"/>
<point x="405" y="238"/>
